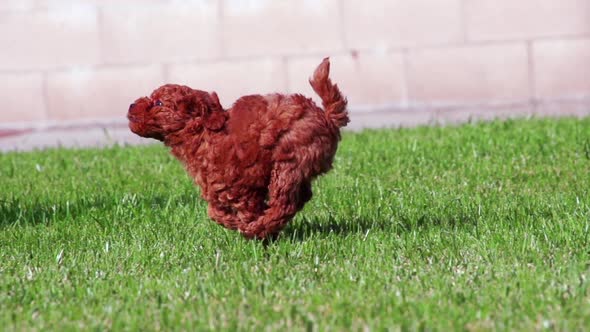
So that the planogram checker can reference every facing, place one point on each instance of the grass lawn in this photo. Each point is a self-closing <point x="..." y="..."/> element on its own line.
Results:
<point x="476" y="227"/>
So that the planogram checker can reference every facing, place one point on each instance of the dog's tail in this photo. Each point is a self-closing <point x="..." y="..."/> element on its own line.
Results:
<point x="332" y="100"/>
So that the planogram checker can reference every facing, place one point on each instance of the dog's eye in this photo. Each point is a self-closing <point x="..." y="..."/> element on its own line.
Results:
<point x="159" y="103"/>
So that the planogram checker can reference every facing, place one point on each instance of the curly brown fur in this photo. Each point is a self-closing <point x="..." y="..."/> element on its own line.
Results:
<point x="255" y="161"/>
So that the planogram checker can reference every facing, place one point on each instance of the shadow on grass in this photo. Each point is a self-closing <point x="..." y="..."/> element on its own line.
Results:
<point x="305" y="229"/>
<point x="21" y="212"/>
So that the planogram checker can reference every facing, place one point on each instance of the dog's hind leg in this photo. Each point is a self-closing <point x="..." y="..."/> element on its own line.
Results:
<point x="305" y="194"/>
<point x="223" y="215"/>
<point x="251" y="206"/>
<point x="288" y="192"/>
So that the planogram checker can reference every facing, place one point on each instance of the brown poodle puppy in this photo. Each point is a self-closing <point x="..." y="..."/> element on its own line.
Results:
<point x="254" y="162"/>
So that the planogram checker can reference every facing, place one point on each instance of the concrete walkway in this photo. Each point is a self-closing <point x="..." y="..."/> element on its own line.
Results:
<point x="70" y="137"/>
<point x="102" y="133"/>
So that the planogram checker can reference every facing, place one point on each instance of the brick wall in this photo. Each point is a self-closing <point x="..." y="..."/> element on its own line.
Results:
<point x="399" y="61"/>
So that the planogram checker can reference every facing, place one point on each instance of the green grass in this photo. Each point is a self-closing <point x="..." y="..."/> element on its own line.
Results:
<point x="476" y="227"/>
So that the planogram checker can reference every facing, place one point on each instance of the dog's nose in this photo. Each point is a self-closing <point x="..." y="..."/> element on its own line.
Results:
<point x="131" y="106"/>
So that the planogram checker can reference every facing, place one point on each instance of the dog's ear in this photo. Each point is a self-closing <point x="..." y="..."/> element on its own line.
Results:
<point x="190" y="104"/>
<point x="215" y="120"/>
<point x="215" y="100"/>
<point x="216" y="116"/>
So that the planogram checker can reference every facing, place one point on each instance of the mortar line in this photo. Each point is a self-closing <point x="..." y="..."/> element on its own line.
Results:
<point x="342" y="24"/>
<point x="45" y="93"/>
<point x="463" y="18"/>
<point x="405" y="78"/>
<point x="221" y="29"/>
<point x="531" y="75"/>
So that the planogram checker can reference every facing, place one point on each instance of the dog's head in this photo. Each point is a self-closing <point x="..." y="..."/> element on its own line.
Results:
<point x="172" y="108"/>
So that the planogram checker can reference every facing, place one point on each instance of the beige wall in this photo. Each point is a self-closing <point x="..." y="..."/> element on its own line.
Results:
<point x="399" y="61"/>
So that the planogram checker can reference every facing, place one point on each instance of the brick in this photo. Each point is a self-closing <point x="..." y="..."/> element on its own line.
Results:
<point x="22" y="98"/>
<point x="468" y="74"/>
<point x="102" y="93"/>
<point x="562" y="68"/>
<point x="17" y="4"/>
<point x="67" y="3"/>
<point x="509" y="19"/>
<point x="153" y="33"/>
<point x="393" y="23"/>
<point x="270" y="27"/>
<point x="366" y="79"/>
<point x="232" y="79"/>
<point x="49" y="39"/>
